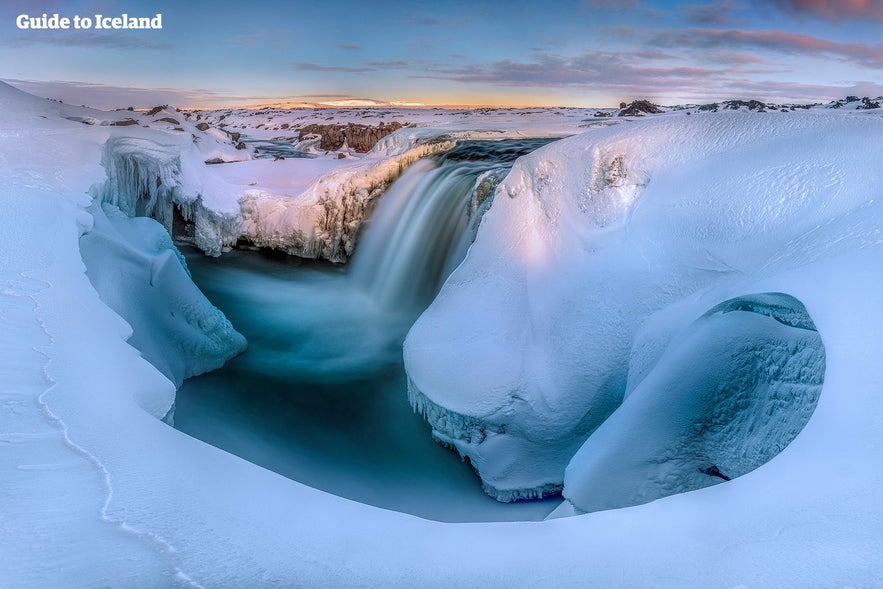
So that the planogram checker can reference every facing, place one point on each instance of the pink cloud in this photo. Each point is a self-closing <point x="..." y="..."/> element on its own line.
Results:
<point x="836" y="10"/>
<point x="794" y="43"/>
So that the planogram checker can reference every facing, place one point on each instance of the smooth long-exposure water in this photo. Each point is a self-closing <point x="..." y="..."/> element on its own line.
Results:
<point x="320" y="395"/>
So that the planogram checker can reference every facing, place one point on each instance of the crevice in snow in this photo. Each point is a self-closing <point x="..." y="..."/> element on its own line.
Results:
<point x="779" y="306"/>
<point x="154" y="540"/>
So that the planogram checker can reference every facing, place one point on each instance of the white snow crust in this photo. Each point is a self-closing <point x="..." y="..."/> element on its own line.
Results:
<point x="583" y="272"/>
<point x="591" y="235"/>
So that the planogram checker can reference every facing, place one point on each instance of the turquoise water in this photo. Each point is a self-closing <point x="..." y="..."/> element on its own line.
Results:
<point x="320" y="395"/>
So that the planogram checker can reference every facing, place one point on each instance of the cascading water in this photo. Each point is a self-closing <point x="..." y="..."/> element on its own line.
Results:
<point x="427" y="219"/>
<point x="320" y="395"/>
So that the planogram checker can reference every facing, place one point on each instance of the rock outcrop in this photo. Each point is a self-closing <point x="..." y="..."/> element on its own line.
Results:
<point x="359" y="138"/>
<point x="638" y="108"/>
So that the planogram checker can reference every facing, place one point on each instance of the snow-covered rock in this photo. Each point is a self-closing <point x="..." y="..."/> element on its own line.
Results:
<point x="592" y="234"/>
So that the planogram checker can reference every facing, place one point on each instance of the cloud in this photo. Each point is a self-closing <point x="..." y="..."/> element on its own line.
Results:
<point x="589" y="69"/>
<point x="87" y="39"/>
<point x="791" y="43"/>
<point x="611" y="3"/>
<point x="390" y="64"/>
<point x="787" y="91"/>
<point x="739" y="59"/>
<point x="716" y="13"/>
<point x="721" y="75"/>
<point x="835" y="10"/>
<point x="303" y="66"/>
<point x="261" y="35"/>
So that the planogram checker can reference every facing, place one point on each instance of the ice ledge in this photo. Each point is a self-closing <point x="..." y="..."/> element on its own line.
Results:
<point x="465" y="434"/>
<point x="324" y="220"/>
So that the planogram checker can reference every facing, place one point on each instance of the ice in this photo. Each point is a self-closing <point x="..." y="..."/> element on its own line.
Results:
<point x="729" y="393"/>
<point x="143" y="178"/>
<point x="139" y="273"/>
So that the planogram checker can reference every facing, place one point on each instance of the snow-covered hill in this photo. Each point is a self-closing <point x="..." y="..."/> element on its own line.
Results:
<point x="613" y="263"/>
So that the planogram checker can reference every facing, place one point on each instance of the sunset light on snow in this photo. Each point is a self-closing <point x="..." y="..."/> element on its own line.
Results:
<point x="519" y="53"/>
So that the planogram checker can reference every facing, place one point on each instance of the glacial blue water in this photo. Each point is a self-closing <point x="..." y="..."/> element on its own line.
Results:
<point x="320" y="395"/>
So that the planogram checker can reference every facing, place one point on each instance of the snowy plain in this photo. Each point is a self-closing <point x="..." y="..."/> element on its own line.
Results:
<point x="613" y="265"/>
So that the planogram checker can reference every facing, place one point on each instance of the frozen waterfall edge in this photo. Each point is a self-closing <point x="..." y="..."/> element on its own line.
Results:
<point x="146" y="178"/>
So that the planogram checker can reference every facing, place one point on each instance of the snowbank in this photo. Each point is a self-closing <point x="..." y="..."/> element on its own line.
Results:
<point x="592" y="234"/>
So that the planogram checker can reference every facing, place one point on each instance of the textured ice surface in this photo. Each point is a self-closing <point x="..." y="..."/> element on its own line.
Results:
<point x="728" y="394"/>
<point x="140" y="274"/>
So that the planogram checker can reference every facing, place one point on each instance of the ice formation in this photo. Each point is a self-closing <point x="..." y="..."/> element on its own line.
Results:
<point x="139" y="273"/>
<point x="730" y="392"/>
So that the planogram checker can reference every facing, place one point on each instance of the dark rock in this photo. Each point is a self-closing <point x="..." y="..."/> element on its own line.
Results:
<point x="168" y="120"/>
<point x="638" y="108"/>
<point x="713" y="107"/>
<point x="341" y="156"/>
<point x="131" y="108"/>
<point x="622" y="105"/>
<point x="124" y="123"/>
<point x="750" y="105"/>
<point x="234" y="136"/>
<point x="868" y="104"/>
<point x="601" y="114"/>
<point x="240" y="145"/>
<point x="284" y="126"/>
<point x="155" y="110"/>
<point x="278" y="158"/>
<point x="714" y="471"/>
<point x="202" y="126"/>
<point x="360" y="138"/>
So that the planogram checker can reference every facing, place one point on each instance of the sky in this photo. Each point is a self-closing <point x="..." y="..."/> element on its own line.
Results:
<point x="587" y="53"/>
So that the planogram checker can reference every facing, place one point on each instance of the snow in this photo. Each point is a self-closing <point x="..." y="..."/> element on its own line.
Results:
<point x="551" y="301"/>
<point x="598" y="232"/>
<point x="139" y="274"/>
<point x="728" y="394"/>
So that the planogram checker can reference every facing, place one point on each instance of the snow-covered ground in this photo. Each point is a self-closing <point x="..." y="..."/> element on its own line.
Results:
<point x="600" y="269"/>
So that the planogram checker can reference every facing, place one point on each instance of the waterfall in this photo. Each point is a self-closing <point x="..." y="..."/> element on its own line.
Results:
<point x="427" y="219"/>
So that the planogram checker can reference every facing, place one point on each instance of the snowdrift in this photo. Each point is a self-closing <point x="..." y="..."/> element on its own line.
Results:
<point x="589" y="237"/>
